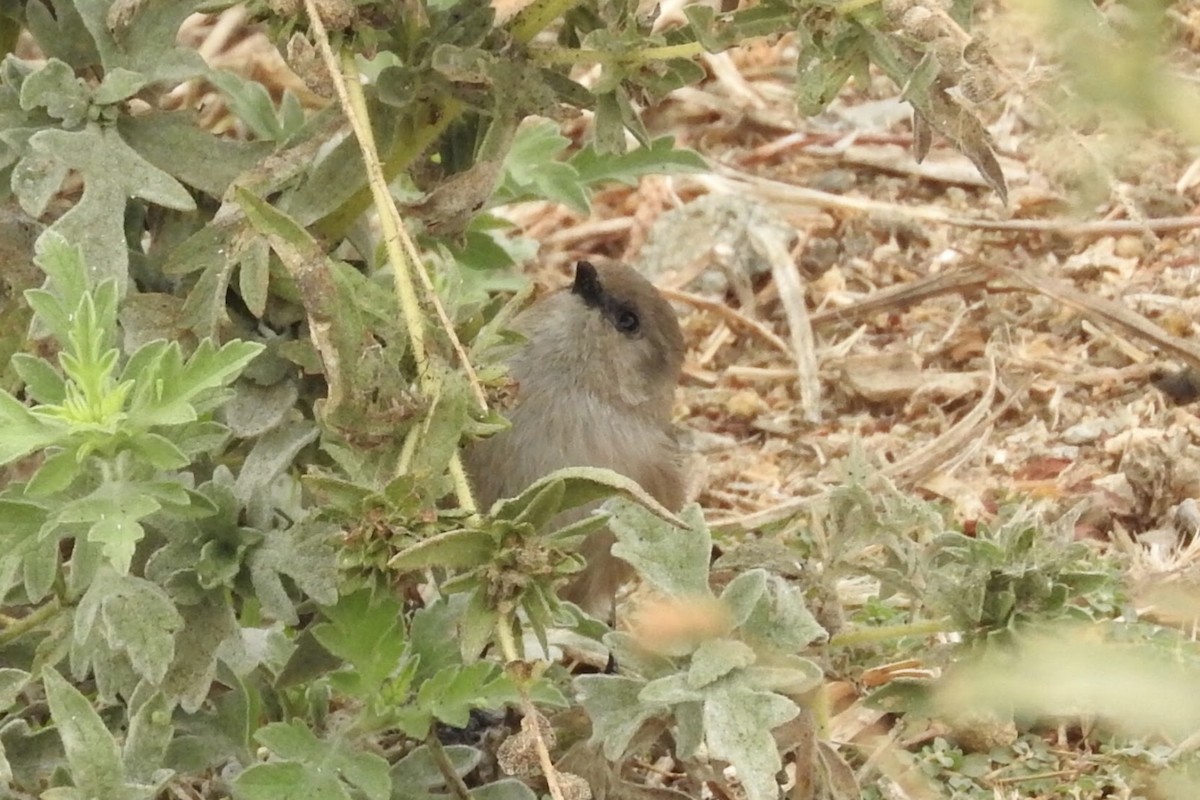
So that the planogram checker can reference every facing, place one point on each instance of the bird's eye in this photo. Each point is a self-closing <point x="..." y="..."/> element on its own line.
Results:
<point x="627" y="321"/>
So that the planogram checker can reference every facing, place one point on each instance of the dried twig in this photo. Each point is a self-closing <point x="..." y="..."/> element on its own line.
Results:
<point x="907" y="294"/>
<point x="1107" y="311"/>
<point x="730" y="315"/>
<point x="733" y="181"/>
<point x="791" y="296"/>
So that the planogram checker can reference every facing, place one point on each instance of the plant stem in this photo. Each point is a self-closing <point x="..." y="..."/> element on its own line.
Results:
<point x="19" y="627"/>
<point x="402" y="253"/>
<point x="850" y="6"/>
<point x="861" y="636"/>
<point x="539" y="744"/>
<point x="561" y="55"/>
<point x="446" y="767"/>
<point x="535" y="17"/>
<point x="504" y="638"/>
<point x="426" y="123"/>
<point x="350" y="95"/>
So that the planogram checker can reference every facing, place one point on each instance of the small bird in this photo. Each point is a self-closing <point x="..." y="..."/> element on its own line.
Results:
<point x="595" y="381"/>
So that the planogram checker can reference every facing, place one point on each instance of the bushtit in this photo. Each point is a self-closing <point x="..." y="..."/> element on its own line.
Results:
<point x="595" y="383"/>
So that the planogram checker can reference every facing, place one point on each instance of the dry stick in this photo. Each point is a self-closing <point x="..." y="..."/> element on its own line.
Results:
<point x="730" y="315"/>
<point x="905" y="295"/>
<point x="791" y="296"/>
<point x="1107" y="311"/>
<point x="777" y="191"/>
<point x="954" y="446"/>
<point x="508" y="648"/>
<point x="549" y="771"/>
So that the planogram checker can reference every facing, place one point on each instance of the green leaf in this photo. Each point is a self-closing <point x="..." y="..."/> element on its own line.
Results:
<point x="173" y="142"/>
<point x="427" y="636"/>
<point x="417" y="773"/>
<point x="671" y="559"/>
<point x="286" y="781"/>
<point x="451" y="694"/>
<point x="532" y="168"/>
<point x="617" y="710"/>
<point x="255" y="409"/>
<point x="43" y="383"/>
<point x="670" y="690"/>
<point x="254" y="276"/>
<point x="158" y="451"/>
<point x="824" y="67"/>
<point x="92" y="752"/>
<point x="222" y="730"/>
<point x="135" y="616"/>
<point x="781" y="620"/>
<point x="118" y="85"/>
<point x="59" y="31"/>
<point x="660" y="157"/>
<point x="114" y="510"/>
<point x="206" y="625"/>
<point x="367" y="633"/>
<point x="63" y="263"/>
<point x="250" y="102"/>
<point x="307" y="553"/>
<point x="55" y="88"/>
<point x="39" y="567"/>
<point x="443" y="427"/>
<point x="12" y="681"/>
<point x="36" y="179"/>
<point x="455" y="550"/>
<point x="476" y="625"/>
<point x="23" y="431"/>
<point x="790" y="675"/>
<point x="742" y="594"/>
<point x="142" y="38"/>
<point x="717" y="658"/>
<point x="737" y="728"/>
<point x="271" y="456"/>
<point x="55" y="474"/>
<point x="150" y="733"/>
<point x="454" y="691"/>
<point x="583" y="485"/>
<point x="112" y="172"/>
<point x="365" y="771"/>
<point x="608" y="129"/>
<point x="170" y="391"/>
<point x="140" y="619"/>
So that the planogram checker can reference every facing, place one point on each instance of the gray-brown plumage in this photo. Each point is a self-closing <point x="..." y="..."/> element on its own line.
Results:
<point x="595" y="385"/>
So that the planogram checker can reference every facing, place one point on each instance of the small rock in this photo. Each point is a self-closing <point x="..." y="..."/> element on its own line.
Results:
<point x="1083" y="432"/>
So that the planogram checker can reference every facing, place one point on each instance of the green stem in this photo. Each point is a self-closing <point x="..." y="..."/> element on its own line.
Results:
<point x="19" y="627"/>
<point x="446" y="767"/>
<point x="426" y="125"/>
<point x="559" y="55"/>
<point x="861" y="636"/>
<point x="536" y="17"/>
<point x="850" y="6"/>
<point x="504" y="637"/>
